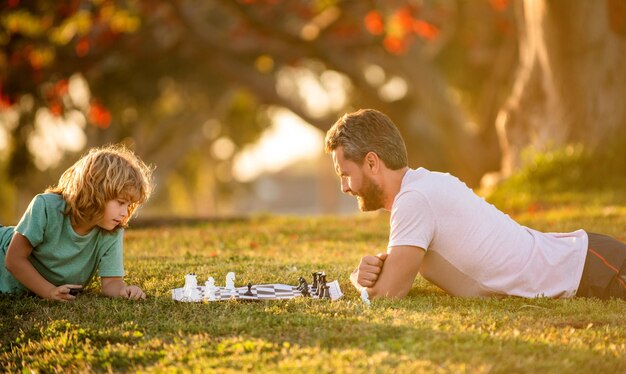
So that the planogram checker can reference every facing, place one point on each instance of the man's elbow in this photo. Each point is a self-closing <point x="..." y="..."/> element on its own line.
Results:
<point x="387" y="292"/>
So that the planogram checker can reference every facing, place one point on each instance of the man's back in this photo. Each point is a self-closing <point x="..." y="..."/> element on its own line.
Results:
<point x="473" y="249"/>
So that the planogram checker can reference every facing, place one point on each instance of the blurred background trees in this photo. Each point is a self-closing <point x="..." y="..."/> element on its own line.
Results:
<point x="188" y="84"/>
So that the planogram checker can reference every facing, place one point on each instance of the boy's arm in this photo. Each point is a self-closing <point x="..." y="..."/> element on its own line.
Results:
<point x="397" y="271"/>
<point x="115" y="287"/>
<point x="18" y="264"/>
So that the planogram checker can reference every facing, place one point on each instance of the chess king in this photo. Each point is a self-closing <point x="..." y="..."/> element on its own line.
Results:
<point x="454" y="238"/>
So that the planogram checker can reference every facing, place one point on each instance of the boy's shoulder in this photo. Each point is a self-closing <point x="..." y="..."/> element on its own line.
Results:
<point x="51" y="198"/>
<point x="48" y="201"/>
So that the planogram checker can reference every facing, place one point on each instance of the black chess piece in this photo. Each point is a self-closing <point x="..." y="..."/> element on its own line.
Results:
<point x="303" y="287"/>
<point x="302" y="283"/>
<point x="322" y="278"/>
<point x="326" y="292"/>
<point x="314" y="286"/>
<point x="322" y="292"/>
<point x="249" y="292"/>
<point x="321" y="286"/>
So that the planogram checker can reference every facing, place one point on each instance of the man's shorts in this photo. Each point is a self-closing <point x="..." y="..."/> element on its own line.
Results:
<point x="604" y="274"/>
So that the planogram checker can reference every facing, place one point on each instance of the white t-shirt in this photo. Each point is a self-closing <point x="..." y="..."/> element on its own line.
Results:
<point x="473" y="249"/>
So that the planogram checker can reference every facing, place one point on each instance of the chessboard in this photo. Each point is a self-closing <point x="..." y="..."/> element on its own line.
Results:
<point x="320" y="289"/>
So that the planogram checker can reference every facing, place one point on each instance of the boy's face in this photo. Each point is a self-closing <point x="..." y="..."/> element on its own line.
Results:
<point x="115" y="212"/>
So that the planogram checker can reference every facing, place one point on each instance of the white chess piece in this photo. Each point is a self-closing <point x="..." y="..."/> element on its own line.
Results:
<point x="210" y="283"/>
<point x="209" y="289"/>
<point x="190" y="290"/>
<point x="365" y="296"/>
<point x="230" y="281"/>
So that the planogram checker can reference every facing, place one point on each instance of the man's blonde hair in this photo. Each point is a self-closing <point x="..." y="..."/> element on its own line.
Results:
<point x="364" y="131"/>
<point x="104" y="174"/>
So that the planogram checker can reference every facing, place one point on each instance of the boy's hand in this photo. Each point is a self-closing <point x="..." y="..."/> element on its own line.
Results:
<point x="369" y="269"/>
<point x="132" y="293"/>
<point x="63" y="292"/>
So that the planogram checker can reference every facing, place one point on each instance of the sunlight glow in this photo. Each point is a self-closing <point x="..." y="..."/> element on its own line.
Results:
<point x="78" y="90"/>
<point x="54" y="135"/>
<point x="222" y="148"/>
<point x="288" y="140"/>
<point x="322" y="94"/>
<point x="8" y="121"/>
<point x="374" y="75"/>
<point x="395" y="89"/>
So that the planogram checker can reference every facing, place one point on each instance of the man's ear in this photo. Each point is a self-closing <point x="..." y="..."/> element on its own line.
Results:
<point x="372" y="161"/>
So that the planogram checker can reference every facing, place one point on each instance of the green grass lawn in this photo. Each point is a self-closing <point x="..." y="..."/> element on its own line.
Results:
<point x="428" y="331"/>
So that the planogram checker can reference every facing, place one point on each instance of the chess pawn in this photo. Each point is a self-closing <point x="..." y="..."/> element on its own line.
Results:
<point x="209" y="289"/>
<point x="210" y="283"/>
<point x="210" y="293"/>
<point x="190" y="290"/>
<point x="230" y="281"/>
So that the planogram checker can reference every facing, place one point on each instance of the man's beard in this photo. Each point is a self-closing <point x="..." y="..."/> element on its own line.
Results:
<point x="370" y="196"/>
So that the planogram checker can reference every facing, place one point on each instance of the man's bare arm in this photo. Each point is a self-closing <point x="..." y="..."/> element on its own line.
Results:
<point x="398" y="272"/>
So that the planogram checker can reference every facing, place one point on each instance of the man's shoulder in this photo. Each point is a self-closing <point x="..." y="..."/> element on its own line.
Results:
<point x="423" y="180"/>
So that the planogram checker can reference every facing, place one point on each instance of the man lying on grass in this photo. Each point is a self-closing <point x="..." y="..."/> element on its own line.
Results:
<point x="453" y="237"/>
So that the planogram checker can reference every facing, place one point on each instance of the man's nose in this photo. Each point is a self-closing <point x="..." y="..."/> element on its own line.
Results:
<point x="344" y="186"/>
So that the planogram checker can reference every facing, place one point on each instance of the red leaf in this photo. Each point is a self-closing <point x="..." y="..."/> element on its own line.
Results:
<point x="499" y="5"/>
<point x="425" y="29"/>
<point x="404" y="17"/>
<point x="374" y="22"/>
<point x="395" y="45"/>
<point x="82" y="47"/>
<point x="99" y="116"/>
<point x="61" y="87"/>
<point x="55" y="108"/>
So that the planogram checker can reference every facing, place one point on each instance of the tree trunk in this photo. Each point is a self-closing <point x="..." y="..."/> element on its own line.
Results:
<point x="571" y="82"/>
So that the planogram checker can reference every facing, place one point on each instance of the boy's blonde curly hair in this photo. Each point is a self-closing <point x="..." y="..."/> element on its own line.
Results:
<point x="104" y="174"/>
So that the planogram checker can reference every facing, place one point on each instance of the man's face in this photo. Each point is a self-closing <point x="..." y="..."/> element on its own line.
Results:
<point x="356" y="182"/>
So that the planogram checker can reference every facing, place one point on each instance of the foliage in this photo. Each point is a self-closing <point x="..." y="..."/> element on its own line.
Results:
<point x="426" y="332"/>
<point x="573" y="175"/>
<point x="167" y="77"/>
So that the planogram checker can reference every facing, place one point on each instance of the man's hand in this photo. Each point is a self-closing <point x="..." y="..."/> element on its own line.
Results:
<point x="132" y="293"/>
<point x="62" y="293"/>
<point x="366" y="274"/>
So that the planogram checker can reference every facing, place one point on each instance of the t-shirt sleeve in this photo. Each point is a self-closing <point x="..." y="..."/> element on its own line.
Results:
<point x="111" y="263"/>
<point x="33" y="222"/>
<point x="412" y="221"/>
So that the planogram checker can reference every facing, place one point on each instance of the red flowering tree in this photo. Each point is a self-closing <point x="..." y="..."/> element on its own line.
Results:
<point x="174" y="76"/>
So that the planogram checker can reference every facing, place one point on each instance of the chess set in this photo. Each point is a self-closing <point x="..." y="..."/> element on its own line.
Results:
<point x="318" y="289"/>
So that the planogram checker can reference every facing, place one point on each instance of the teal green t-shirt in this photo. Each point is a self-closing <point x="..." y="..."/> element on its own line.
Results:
<point x="59" y="254"/>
